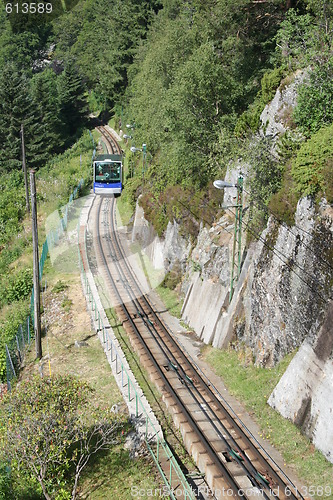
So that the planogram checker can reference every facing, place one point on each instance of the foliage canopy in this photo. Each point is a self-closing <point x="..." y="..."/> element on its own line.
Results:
<point x="312" y="167"/>
<point x="49" y="429"/>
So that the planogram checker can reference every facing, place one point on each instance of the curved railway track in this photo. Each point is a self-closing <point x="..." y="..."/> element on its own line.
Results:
<point x="233" y="462"/>
<point x="111" y="144"/>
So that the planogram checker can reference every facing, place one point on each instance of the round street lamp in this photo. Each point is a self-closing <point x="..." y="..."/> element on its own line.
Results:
<point x="143" y="150"/>
<point x="222" y="184"/>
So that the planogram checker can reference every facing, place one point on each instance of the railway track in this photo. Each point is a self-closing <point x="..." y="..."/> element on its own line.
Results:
<point x="111" y="144"/>
<point x="234" y="464"/>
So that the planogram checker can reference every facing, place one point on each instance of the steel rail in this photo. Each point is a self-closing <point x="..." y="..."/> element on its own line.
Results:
<point x="198" y="397"/>
<point x="231" y="483"/>
<point x="256" y="478"/>
<point x="250" y="471"/>
<point x="221" y="430"/>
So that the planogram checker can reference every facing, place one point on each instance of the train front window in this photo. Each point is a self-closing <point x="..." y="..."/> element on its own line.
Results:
<point x="108" y="172"/>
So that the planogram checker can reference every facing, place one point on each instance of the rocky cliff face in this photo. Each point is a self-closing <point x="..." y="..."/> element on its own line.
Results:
<point x="282" y="299"/>
<point x="305" y="392"/>
<point x="275" y="117"/>
<point x="163" y="253"/>
<point x="290" y="284"/>
<point x="280" y="304"/>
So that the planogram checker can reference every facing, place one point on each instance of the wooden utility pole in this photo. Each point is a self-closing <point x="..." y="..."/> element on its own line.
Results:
<point x="24" y="168"/>
<point x="37" y="324"/>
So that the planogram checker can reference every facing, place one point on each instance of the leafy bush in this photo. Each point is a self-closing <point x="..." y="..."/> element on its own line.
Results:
<point x="298" y="39"/>
<point x="311" y="169"/>
<point x="266" y="171"/>
<point x="155" y="211"/>
<point x="283" y="203"/>
<point x="5" y="483"/>
<point x="16" y="286"/>
<point x="131" y="191"/>
<point x="187" y="207"/>
<point x="12" y="206"/>
<point x="327" y="171"/>
<point x="314" y="108"/>
<point x="173" y="277"/>
<point x="17" y="487"/>
<point x="53" y="430"/>
<point x="11" y="252"/>
<point x="16" y="316"/>
<point x="250" y="119"/>
<point x="63" y="173"/>
<point x="269" y="84"/>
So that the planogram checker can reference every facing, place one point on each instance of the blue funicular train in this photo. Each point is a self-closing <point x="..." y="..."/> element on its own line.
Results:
<point x="108" y="174"/>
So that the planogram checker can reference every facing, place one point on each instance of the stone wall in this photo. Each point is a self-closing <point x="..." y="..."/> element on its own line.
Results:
<point x="275" y="308"/>
<point x="282" y="298"/>
<point x="305" y="392"/>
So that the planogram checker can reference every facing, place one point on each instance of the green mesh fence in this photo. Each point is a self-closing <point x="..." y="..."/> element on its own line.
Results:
<point x="176" y="483"/>
<point x="17" y="347"/>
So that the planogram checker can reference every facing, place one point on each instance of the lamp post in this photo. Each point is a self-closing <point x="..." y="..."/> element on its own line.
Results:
<point x="130" y="136"/>
<point x="143" y="150"/>
<point x="236" y="250"/>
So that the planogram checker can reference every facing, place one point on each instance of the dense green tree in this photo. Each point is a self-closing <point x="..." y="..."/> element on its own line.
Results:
<point x="152" y="75"/>
<point x="71" y="100"/>
<point x="193" y="75"/>
<point x="197" y="71"/>
<point x="312" y="167"/>
<point x="315" y="100"/>
<point x="323" y="10"/>
<point x="45" y="93"/>
<point x="103" y="46"/>
<point x="27" y="48"/>
<point x="298" y="40"/>
<point x="17" y="107"/>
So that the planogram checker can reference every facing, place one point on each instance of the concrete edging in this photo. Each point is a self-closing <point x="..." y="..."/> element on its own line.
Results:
<point x="141" y="421"/>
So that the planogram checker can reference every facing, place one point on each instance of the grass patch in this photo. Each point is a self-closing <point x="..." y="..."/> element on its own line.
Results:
<point x="116" y="474"/>
<point x="171" y="300"/>
<point x="111" y="474"/>
<point x="253" y="386"/>
<point x="154" y="276"/>
<point x="60" y="286"/>
<point x="125" y="211"/>
<point x="133" y="360"/>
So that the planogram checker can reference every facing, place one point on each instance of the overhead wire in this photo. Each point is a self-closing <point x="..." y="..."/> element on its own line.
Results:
<point x="280" y="255"/>
<point x="272" y="249"/>
<point x="277" y="252"/>
<point x="285" y="226"/>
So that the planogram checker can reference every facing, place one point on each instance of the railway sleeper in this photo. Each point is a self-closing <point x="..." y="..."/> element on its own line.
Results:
<point x="266" y="478"/>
